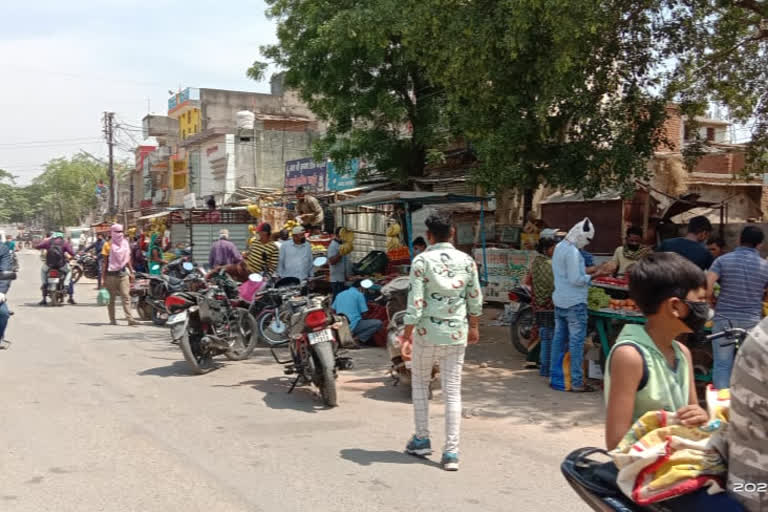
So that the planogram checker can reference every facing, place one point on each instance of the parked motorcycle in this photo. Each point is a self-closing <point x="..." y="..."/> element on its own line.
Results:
<point x="171" y="280"/>
<point x="54" y="287"/>
<point x="211" y="322"/>
<point x="522" y="320"/>
<point x="140" y="297"/>
<point x="84" y="264"/>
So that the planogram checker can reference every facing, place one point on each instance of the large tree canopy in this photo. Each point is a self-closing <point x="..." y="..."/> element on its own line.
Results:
<point x="348" y="62"/>
<point x="571" y="93"/>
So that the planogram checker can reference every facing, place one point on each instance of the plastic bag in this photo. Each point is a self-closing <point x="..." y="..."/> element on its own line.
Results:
<point x="102" y="299"/>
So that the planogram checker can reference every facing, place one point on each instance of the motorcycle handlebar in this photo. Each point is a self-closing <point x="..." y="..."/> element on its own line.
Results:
<point x="735" y="334"/>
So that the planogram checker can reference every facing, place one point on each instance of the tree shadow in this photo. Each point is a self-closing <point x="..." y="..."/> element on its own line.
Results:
<point x="370" y="457"/>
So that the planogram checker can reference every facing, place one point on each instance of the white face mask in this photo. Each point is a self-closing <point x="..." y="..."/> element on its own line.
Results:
<point x="582" y="233"/>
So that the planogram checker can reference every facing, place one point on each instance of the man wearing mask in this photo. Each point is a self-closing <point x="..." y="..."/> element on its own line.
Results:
<point x="55" y="257"/>
<point x="117" y="273"/>
<point x="419" y="246"/>
<point x="295" y="257"/>
<point x="691" y="246"/>
<point x="570" y="299"/>
<point x="630" y="253"/>
<point x="310" y="211"/>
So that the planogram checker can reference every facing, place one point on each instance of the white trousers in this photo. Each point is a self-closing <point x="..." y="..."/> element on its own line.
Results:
<point x="451" y="359"/>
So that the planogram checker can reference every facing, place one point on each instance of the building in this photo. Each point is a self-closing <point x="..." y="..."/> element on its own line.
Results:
<point x="213" y="141"/>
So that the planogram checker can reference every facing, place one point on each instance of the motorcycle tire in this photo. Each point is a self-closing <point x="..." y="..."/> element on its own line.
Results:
<point x="247" y="335"/>
<point x="521" y="330"/>
<point x="145" y="310"/>
<point x="77" y="274"/>
<point x="269" y="336"/>
<point x="327" y="376"/>
<point x="55" y="300"/>
<point x="158" y="318"/>
<point x="198" y="362"/>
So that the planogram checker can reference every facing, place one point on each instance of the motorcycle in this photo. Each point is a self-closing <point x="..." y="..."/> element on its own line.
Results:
<point x="84" y="264"/>
<point x="522" y="320"/>
<point x="140" y="297"/>
<point x="54" y="287"/>
<point x="171" y="280"/>
<point x="210" y="322"/>
<point x="595" y="481"/>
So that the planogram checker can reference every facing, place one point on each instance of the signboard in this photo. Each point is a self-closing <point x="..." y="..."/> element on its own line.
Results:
<point x="342" y="179"/>
<point x="305" y="173"/>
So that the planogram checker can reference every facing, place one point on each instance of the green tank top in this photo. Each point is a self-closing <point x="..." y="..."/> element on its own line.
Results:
<point x="666" y="388"/>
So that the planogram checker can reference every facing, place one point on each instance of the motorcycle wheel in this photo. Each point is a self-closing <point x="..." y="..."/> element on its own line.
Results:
<point x="266" y="333"/>
<point x="145" y="310"/>
<point x="77" y="274"/>
<point x="327" y="377"/>
<point x="246" y="333"/>
<point x="521" y="330"/>
<point x="159" y="318"/>
<point x="199" y="362"/>
<point x="55" y="300"/>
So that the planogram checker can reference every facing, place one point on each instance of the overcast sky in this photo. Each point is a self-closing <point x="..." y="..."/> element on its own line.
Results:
<point x="63" y="63"/>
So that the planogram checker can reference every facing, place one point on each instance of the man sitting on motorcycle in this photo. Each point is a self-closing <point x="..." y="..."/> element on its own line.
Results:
<point x="57" y="250"/>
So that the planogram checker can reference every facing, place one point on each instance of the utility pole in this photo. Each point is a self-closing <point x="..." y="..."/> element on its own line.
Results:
<point x="109" y="133"/>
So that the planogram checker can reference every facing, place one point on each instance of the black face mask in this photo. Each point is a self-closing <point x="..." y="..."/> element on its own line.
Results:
<point x="633" y="247"/>
<point x="698" y="315"/>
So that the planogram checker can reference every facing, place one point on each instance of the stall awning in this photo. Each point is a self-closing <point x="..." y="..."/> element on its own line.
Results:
<point x="154" y="215"/>
<point x="379" y="197"/>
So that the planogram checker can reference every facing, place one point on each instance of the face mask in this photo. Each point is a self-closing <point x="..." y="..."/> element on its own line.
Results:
<point x="698" y="315"/>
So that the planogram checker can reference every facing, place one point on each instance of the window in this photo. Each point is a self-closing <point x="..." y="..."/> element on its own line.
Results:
<point x="711" y="134"/>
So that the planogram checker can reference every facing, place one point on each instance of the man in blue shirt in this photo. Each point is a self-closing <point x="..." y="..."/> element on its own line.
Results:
<point x="5" y="266"/>
<point x="570" y="299"/>
<point x="692" y="245"/>
<point x="351" y="303"/>
<point x="743" y="278"/>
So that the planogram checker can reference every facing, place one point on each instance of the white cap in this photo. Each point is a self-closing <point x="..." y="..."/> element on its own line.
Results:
<point x="298" y="230"/>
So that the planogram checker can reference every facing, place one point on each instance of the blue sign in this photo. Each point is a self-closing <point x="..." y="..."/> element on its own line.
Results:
<point x="305" y="173"/>
<point x="338" y="180"/>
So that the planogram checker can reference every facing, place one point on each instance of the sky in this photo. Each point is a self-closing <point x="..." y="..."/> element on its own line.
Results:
<point x="63" y="63"/>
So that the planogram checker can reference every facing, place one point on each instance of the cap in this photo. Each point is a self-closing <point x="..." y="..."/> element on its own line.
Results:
<point x="298" y="230"/>
<point x="223" y="233"/>
<point x="264" y="227"/>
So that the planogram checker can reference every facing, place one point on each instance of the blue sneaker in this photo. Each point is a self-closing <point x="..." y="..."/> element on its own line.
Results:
<point x="450" y="461"/>
<point x="418" y="446"/>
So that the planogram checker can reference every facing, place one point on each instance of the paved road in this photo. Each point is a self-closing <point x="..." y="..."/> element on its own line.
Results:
<point x="96" y="417"/>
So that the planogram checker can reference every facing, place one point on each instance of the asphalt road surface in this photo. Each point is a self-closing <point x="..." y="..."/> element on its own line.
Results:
<point x="98" y="417"/>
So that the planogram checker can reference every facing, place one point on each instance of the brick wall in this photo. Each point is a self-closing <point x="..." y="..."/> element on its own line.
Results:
<point x="672" y="130"/>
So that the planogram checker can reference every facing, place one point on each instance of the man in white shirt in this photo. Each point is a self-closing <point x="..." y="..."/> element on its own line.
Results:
<point x="295" y="257"/>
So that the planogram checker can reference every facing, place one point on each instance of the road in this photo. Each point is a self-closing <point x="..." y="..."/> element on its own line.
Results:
<point x="107" y="418"/>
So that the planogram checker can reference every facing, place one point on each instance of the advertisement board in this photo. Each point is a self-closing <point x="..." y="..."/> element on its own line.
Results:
<point x="305" y="173"/>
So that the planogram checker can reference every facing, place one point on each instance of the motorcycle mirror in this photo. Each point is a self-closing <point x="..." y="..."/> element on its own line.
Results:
<point x="256" y="278"/>
<point x="320" y="261"/>
<point x="189" y="267"/>
<point x="366" y="283"/>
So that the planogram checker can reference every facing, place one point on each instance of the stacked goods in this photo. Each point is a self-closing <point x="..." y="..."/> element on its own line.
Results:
<point x="393" y="237"/>
<point x="399" y="254"/>
<point x="597" y="299"/>
<point x="254" y="210"/>
<point x="347" y="237"/>
<point x="289" y="225"/>
<point x="625" y="305"/>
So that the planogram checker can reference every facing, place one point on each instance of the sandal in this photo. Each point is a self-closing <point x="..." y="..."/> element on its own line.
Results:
<point x="530" y="365"/>
<point x="586" y="389"/>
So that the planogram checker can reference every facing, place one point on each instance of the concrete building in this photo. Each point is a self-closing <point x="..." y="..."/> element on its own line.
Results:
<point x="218" y="140"/>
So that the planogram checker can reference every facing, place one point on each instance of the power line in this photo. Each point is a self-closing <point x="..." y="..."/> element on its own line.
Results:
<point x="30" y="142"/>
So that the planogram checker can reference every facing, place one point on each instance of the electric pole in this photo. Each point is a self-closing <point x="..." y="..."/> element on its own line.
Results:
<point x="109" y="133"/>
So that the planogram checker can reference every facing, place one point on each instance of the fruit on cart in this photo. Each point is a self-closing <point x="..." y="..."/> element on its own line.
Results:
<point x="289" y="225"/>
<point x="398" y="253"/>
<point x="318" y="248"/>
<point x="346" y="248"/>
<point x="254" y="210"/>
<point x="597" y="298"/>
<point x="347" y="235"/>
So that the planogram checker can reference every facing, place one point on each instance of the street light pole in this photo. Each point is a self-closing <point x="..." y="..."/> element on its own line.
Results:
<point x="109" y="133"/>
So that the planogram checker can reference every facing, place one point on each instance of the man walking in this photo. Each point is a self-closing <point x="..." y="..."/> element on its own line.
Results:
<point x="6" y="264"/>
<point x="570" y="299"/>
<point x="352" y="304"/>
<point x="743" y="278"/>
<point x="692" y="245"/>
<point x="296" y="257"/>
<point x="444" y="307"/>
<point x="117" y="273"/>
<point x="223" y="252"/>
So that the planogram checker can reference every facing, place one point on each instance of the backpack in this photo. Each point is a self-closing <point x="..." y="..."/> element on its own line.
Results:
<point x="54" y="257"/>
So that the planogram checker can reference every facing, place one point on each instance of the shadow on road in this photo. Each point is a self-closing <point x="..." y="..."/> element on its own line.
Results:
<point x="276" y="396"/>
<point x="370" y="457"/>
<point x="175" y="369"/>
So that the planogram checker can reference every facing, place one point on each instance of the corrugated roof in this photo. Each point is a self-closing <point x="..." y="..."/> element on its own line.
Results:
<point x="578" y="197"/>
<point x="406" y="196"/>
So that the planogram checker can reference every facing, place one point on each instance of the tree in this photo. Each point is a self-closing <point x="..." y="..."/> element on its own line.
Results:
<point x="349" y="63"/>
